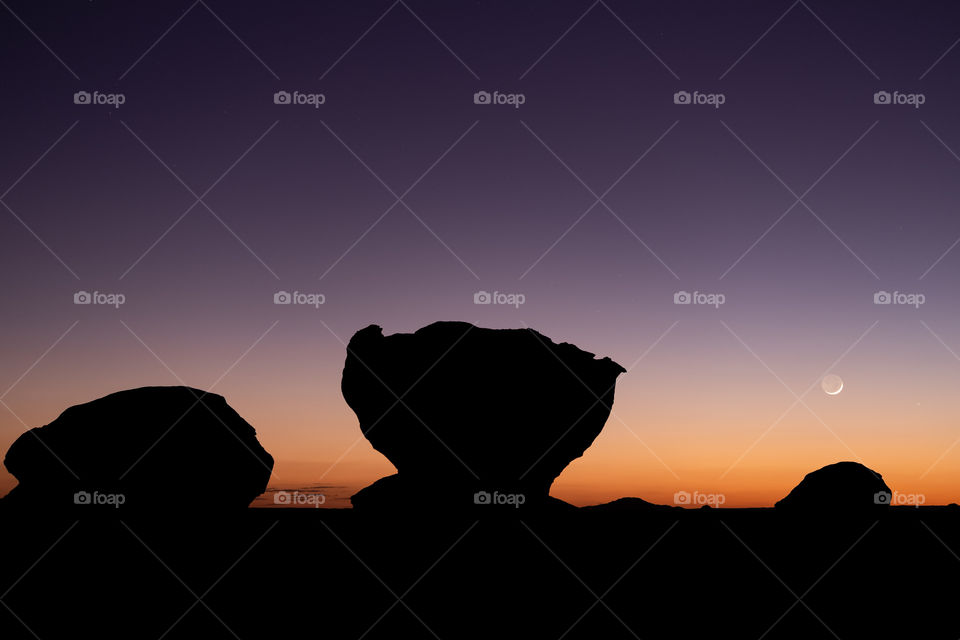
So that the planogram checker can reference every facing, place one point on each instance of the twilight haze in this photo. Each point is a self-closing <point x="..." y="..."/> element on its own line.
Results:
<point x="789" y="163"/>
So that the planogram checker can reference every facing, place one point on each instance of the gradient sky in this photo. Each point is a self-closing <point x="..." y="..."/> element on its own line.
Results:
<point x="694" y="198"/>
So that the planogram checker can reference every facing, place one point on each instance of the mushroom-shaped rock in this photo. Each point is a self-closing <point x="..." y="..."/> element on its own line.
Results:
<point x="164" y="448"/>
<point x="462" y="410"/>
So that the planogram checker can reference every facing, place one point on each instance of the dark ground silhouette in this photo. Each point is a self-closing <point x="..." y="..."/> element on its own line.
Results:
<point x="723" y="573"/>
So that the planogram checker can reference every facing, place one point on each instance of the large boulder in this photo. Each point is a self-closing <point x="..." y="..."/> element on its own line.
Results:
<point x="463" y="411"/>
<point x="843" y="487"/>
<point x="150" y="448"/>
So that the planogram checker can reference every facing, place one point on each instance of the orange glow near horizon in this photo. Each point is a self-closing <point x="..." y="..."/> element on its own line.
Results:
<point x="337" y="461"/>
<point x="725" y="427"/>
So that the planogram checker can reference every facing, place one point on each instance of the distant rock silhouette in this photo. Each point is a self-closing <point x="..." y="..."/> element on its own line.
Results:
<point x="148" y="448"/>
<point x="385" y="492"/>
<point x="627" y="505"/>
<point x="841" y="487"/>
<point x="471" y="415"/>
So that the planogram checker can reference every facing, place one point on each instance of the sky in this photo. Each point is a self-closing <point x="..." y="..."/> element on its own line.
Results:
<point x="787" y="168"/>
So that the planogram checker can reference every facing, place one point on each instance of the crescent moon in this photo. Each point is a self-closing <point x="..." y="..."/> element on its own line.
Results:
<point x="831" y="384"/>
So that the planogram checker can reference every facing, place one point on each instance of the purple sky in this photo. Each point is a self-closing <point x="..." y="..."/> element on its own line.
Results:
<point x="692" y="198"/>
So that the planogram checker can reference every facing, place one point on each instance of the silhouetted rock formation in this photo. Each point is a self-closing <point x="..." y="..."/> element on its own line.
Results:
<point x="629" y="505"/>
<point x="841" y="487"/>
<point x="474" y="416"/>
<point x="385" y="492"/>
<point x="148" y="448"/>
